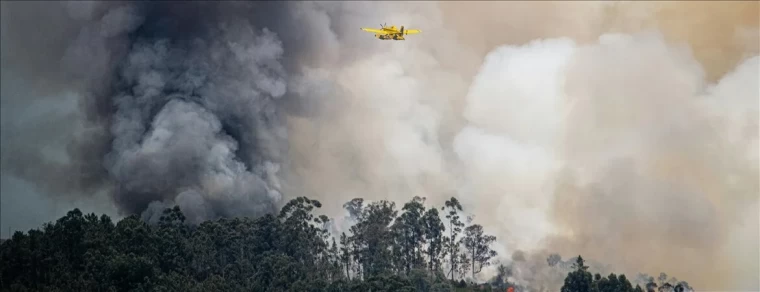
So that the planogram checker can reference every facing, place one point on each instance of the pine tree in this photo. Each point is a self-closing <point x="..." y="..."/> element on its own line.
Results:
<point x="578" y="280"/>
<point x="478" y="246"/>
<point x="455" y="227"/>
<point x="434" y="230"/>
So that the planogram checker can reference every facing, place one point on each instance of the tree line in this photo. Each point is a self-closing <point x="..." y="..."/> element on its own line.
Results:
<point x="581" y="280"/>
<point x="413" y="248"/>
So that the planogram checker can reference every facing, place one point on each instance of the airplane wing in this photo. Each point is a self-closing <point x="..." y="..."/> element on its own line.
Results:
<point x="372" y="30"/>
<point x="412" y="31"/>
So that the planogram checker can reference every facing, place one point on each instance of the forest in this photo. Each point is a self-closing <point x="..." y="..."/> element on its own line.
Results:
<point x="411" y="249"/>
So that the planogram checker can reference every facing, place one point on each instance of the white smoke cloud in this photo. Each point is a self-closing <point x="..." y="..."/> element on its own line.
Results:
<point x="609" y="120"/>
<point x="515" y="109"/>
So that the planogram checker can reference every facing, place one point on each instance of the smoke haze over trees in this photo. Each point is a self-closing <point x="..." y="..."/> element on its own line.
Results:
<point x="607" y="129"/>
<point x="292" y="250"/>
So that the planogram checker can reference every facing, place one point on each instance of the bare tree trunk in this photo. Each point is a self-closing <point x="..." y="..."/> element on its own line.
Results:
<point x="473" y="264"/>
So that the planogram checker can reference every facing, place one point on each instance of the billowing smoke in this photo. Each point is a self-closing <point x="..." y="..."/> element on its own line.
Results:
<point x="197" y="123"/>
<point x="611" y="141"/>
<point x="179" y="105"/>
<point x="624" y="132"/>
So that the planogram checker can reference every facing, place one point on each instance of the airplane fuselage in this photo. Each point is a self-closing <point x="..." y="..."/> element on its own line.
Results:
<point x="385" y="37"/>
<point x="394" y="34"/>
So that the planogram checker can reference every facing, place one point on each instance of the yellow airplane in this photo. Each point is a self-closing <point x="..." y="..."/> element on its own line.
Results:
<point x="391" y="33"/>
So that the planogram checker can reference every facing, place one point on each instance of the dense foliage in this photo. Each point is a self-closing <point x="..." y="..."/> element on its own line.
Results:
<point x="580" y="280"/>
<point x="411" y="249"/>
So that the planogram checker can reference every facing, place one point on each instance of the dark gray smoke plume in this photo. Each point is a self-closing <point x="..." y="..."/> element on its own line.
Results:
<point x="180" y="102"/>
<point x="196" y="122"/>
